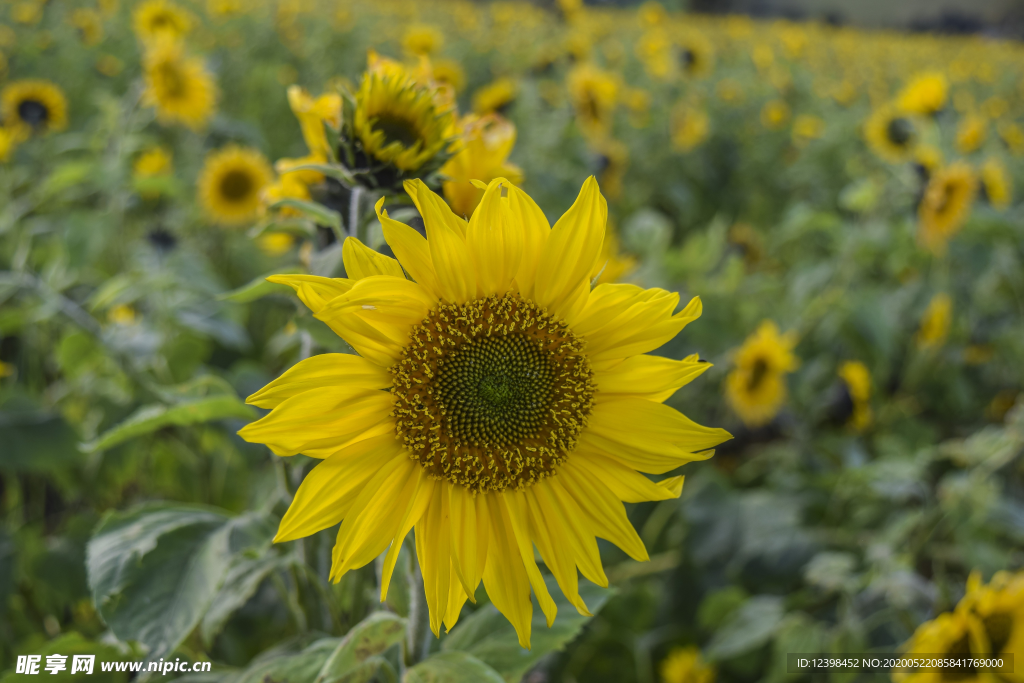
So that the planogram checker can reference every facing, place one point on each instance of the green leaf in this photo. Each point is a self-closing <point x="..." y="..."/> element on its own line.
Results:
<point x="372" y="636"/>
<point x="301" y="667"/>
<point x="336" y="171"/>
<point x="320" y="213"/>
<point x="154" y="571"/>
<point x="240" y="584"/>
<point x="752" y="625"/>
<point x="452" y="667"/>
<point x="259" y="287"/>
<point x="69" y="645"/>
<point x="488" y="636"/>
<point x="148" y="419"/>
<point x="35" y="440"/>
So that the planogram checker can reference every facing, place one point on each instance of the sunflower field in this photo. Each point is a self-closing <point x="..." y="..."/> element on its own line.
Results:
<point x="346" y="342"/>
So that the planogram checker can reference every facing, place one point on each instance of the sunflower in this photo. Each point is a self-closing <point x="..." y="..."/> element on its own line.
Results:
<point x="612" y="160"/>
<point x="398" y="120"/>
<point x="154" y="162"/>
<point x="497" y="403"/>
<point x="996" y="184"/>
<point x="231" y="182"/>
<point x="594" y="93"/>
<point x="1013" y="136"/>
<point x="926" y="94"/>
<point x="690" y="127"/>
<point x="656" y="52"/>
<point x="450" y="73"/>
<point x="774" y="114"/>
<point x="33" y="107"/>
<point x="180" y="87"/>
<point x="685" y="665"/>
<point x="495" y="96"/>
<point x="422" y="40"/>
<point x="89" y="23"/>
<point x="946" y="204"/>
<point x="807" y="128"/>
<point x="287" y="186"/>
<point x="160" y="19"/>
<point x="857" y="378"/>
<point x="756" y="388"/>
<point x="971" y="133"/>
<point x="696" y="55"/>
<point x="891" y="134"/>
<point x="487" y="140"/>
<point x="935" y="322"/>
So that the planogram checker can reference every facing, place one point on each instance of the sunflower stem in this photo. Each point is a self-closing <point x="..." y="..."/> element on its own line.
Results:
<point x="419" y="620"/>
<point x="355" y="225"/>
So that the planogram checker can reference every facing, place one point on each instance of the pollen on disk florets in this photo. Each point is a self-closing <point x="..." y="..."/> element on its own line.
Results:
<point x="491" y="394"/>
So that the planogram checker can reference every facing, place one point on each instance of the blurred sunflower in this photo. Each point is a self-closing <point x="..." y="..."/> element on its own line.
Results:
<point x="487" y="141"/>
<point x="996" y="184"/>
<point x="1013" y="136"/>
<point x="946" y="204"/>
<point x="612" y="265"/>
<point x="971" y="133"/>
<point x="891" y="134"/>
<point x="696" y="56"/>
<point x="612" y="162"/>
<point x="807" y="128"/>
<point x="857" y="378"/>
<point x="422" y="39"/>
<point x="756" y="388"/>
<point x="946" y="636"/>
<point x="685" y="665"/>
<point x="935" y="321"/>
<point x="313" y="114"/>
<point x="153" y="162"/>
<point x="774" y="114"/>
<point x="287" y="186"/>
<point x="539" y="407"/>
<point x="179" y="87"/>
<point x="690" y="127"/>
<point x="495" y="96"/>
<point x="89" y="24"/>
<point x="398" y="120"/>
<point x="656" y="52"/>
<point x="231" y="182"/>
<point x="275" y="243"/>
<point x="33" y="107"/>
<point x="925" y="94"/>
<point x="450" y="73"/>
<point x="594" y="93"/>
<point x="160" y="19"/>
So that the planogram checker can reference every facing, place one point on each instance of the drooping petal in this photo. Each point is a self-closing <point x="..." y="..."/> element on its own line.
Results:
<point x="604" y="512"/>
<point x="415" y="506"/>
<point x="535" y="231"/>
<point x="519" y="522"/>
<point x="572" y="249"/>
<point x="470" y="537"/>
<point x="313" y="290"/>
<point x="555" y="549"/>
<point x="627" y="484"/>
<point x="453" y="264"/>
<point x="361" y="261"/>
<point x="428" y="202"/>
<point x="433" y="551"/>
<point x="411" y="249"/>
<point x="325" y="370"/>
<point x="456" y="599"/>
<point x="577" y="531"/>
<point x="505" y="577"/>
<point x="320" y="421"/>
<point x="376" y="518"/>
<point x="495" y="240"/>
<point x="328" y="491"/>
<point x="651" y="377"/>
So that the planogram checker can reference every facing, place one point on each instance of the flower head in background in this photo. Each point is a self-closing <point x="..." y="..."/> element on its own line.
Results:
<point x="178" y="86"/>
<point x="160" y="20"/>
<point x="756" y="388"/>
<point x="857" y="378"/>
<point x="487" y="142"/>
<point x="925" y="94"/>
<point x="231" y="183"/>
<point x="497" y="403"/>
<point x="685" y="665"/>
<point x="594" y="93"/>
<point x="33" y="107"/>
<point x="935" y="322"/>
<point x="946" y="205"/>
<point x="690" y="127"/>
<point x="891" y="134"/>
<point x="496" y="96"/>
<point x="89" y="23"/>
<point x="996" y="184"/>
<point x="971" y="133"/>
<point x="153" y="162"/>
<point x="422" y="39"/>
<point x="696" y="55"/>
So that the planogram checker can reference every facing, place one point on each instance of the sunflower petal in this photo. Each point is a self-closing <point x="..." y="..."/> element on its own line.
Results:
<point x="519" y="521"/>
<point x="627" y="484"/>
<point x="433" y="551"/>
<point x="414" y="510"/>
<point x="572" y="248"/>
<point x="556" y="552"/>
<point x="605" y="513"/>
<point x="470" y="537"/>
<point x="650" y="377"/>
<point x="495" y="241"/>
<point x="411" y="249"/>
<point x="427" y="201"/>
<point x="328" y="491"/>
<point x="313" y="290"/>
<point x="505" y="577"/>
<point x="325" y="370"/>
<point x="575" y="532"/>
<point x="535" y="231"/>
<point x="361" y="261"/>
<point x="453" y="264"/>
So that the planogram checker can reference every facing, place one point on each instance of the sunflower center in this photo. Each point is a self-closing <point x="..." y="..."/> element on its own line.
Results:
<point x="899" y="131"/>
<point x="33" y="112"/>
<point x="961" y="648"/>
<point x="757" y="374"/>
<point x="997" y="627"/>
<point x="236" y="186"/>
<point x="397" y="129"/>
<point x="689" y="58"/>
<point x="173" y="80"/>
<point x="491" y="394"/>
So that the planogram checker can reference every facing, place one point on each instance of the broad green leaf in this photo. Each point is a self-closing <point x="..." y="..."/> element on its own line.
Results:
<point x="375" y="669"/>
<point x="148" y="419"/>
<point x="259" y="287"/>
<point x="300" y="667"/>
<point x="69" y="645"/>
<point x="488" y="636"/>
<point x="154" y="571"/>
<point x="320" y="213"/>
<point x="35" y="440"/>
<point x="243" y="578"/>
<point x="452" y="667"/>
<point x="372" y="636"/>
<point x="750" y="627"/>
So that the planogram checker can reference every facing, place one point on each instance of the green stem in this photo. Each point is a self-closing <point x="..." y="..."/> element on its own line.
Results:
<point x="419" y="620"/>
<point x="355" y="224"/>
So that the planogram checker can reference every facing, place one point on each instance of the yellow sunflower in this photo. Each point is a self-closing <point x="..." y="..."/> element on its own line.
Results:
<point x="160" y="19"/>
<point x="422" y="39"/>
<point x="995" y="182"/>
<point x="971" y="133"/>
<point x="89" y="23"/>
<point x="696" y="55"/>
<point x="487" y="140"/>
<point x="807" y="128"/>
<point x="33" y="107"/>
<point x="231" y="182"/>
<point x="857" y="378"/>
<point x="690" y="127"/>
<point x="497" y="403"/>
<point x="154" y="162"/>
<point x="594" y="93"/>
<point x="398" y="120"/>
<point x="495" y="96"/>
<point x="179" y="87"/>
<point x="926" y="94"/>
<point x="891" y="134"/>
<point x="946" y="205"/>
<point x="774" y="114"/>
<point x="935" y="321"/>
<point x="756" y="388"/>
<point x="685" y="665"/>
